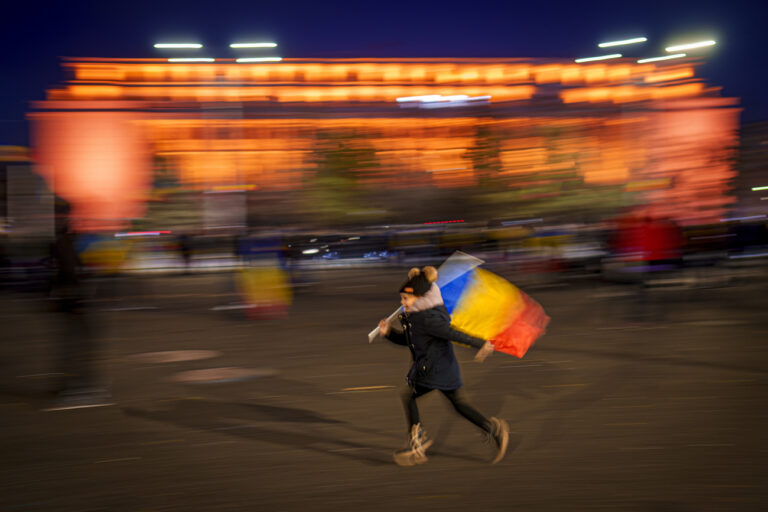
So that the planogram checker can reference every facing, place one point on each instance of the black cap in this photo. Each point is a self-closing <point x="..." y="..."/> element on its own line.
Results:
<point x="418" y="285"/>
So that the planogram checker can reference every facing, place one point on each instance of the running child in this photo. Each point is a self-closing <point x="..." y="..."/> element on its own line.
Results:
<point x="428" y="334"/>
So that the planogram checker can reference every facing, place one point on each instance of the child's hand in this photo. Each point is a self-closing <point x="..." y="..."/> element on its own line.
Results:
<point x="484" y="352"/>
<point x="383" y="326"/>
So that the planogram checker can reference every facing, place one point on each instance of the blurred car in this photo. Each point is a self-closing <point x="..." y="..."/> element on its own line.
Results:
<point x="338" y="247"/>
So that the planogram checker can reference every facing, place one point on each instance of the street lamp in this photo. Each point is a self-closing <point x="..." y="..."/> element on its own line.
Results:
<point x="599" y="57"/>
<point x="191" y="59"/>
<point x="634" y="40"/>
<point x="259" y="59"/>
<point x="690" y="46"/>
<point x="188" y="46"/>
<point x="664" y="57"/>
<point x="253" y="45"/>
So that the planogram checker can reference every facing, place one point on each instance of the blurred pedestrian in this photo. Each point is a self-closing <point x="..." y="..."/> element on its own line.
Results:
<point x="662" y="243"/>
<point x="77" y="342"/>
<point x="185" y="250"/>
<point x="428" y="334"/>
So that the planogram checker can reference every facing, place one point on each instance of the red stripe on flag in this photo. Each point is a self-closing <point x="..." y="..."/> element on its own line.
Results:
<point x="529" y="325"/>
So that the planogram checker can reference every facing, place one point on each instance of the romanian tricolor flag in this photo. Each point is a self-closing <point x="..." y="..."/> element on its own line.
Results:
<point x="487" y="306"/>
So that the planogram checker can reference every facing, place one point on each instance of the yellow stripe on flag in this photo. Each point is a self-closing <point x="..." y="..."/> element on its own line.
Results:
<point x="487" y="306"/>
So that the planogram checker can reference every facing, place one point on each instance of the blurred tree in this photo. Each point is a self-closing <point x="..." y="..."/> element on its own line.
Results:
<point x="554" y="185"/>
<point x="170" y="206"/>
<point x="164" y="175"/>
<point x="485" y="156"/>
<point x="337" y="192"/>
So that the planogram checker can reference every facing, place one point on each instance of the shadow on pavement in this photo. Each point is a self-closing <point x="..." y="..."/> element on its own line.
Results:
<point x="639" y="358"/>
<point x="454" y="453"/>
<point x="237" y="419"/>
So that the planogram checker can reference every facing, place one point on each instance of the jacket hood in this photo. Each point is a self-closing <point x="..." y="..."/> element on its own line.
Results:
<point x="429" y="300"/>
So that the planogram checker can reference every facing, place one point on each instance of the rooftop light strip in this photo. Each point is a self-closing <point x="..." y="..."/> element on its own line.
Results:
<point x="191" y="59"/>
<point x="665" y="57"/>
<point x="259" y="59"/>
<point x="253" y="45"/>
<point x="599" y="57"/>
<point x="690" y="46"/>
<point x="634" y="40"/>
<point x="178" y="45"/>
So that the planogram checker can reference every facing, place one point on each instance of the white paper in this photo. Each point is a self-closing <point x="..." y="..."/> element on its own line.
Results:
<point x="374" y="333"/>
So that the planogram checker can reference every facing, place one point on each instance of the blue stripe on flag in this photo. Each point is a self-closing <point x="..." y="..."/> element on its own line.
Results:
<point x="452" y="291"/>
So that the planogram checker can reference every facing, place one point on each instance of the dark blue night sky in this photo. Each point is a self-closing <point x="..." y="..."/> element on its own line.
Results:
<point x="35" y="34"/>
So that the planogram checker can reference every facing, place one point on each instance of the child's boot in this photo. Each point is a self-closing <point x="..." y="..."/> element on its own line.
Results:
<point x="415" y="453"/>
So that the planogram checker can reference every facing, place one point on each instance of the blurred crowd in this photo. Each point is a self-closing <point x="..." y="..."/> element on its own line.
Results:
<point x="625" y="245"/>
<point x="78" y="273"/>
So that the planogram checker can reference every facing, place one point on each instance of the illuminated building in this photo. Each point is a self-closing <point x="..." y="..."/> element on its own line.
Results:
<point x="654" y="129"/>
<point x="753" y="170"/>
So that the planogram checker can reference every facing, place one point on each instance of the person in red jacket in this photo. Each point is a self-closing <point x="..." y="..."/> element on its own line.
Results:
<point x="662" y="242"/>
<point x="428" y="334"/>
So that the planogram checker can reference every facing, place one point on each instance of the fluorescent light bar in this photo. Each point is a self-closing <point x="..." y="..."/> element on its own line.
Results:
<point x="624" y="41"/>
<point x="456" y="97"/>
<point x="260" y="59"/>
<point x="666" y="57"/>
<point x="518" y="222"/>
<point x="192" y="59"/>
<point x="601" y="57"/>
<point x="740" y="256"/>
<point x="429" y="97"/>
<point x="751" y="217"/>
<point x="142" y="233"/>
<point x="755" y="189"/>
<point x="690" y="46"/>
<point x="435" y="98"/>
<point x="253" y="45"/>
<point x="178" y="45"/>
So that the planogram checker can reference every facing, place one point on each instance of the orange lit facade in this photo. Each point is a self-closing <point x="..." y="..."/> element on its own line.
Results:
<point x="222" y="124"/>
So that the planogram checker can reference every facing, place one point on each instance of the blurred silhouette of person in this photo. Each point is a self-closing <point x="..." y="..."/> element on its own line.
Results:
<point x="428" y="334"/>
<point x="661" y="241"/>
<point x="265" y="280"/>
<point x="747" y="235"/>
<point x="185" y="250"/>
<point x="626" y="240"/>
<point x="5" y="261"/>
<point x="237" y="247"/>
<point x="77" y="341"/>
